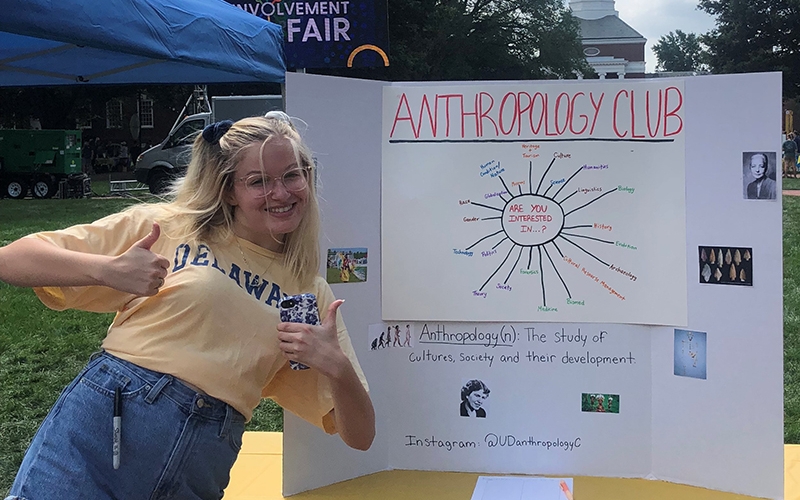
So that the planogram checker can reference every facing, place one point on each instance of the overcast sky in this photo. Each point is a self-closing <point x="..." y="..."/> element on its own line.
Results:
<point x="655" y="18"/>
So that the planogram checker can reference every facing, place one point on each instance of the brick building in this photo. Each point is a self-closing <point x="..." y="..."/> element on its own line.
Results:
<point x="128" y="118"/>
<point x="612" y="48"/>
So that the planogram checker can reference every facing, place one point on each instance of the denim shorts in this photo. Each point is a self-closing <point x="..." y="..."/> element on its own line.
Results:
<point x="175" y="443"/>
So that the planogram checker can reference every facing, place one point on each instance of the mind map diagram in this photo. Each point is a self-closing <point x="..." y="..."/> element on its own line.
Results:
<point x="546" y="231"/>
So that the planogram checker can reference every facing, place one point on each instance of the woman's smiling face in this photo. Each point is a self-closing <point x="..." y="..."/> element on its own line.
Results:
<point x="476" y="399"/>
<point x="758" y="166"/>
<point x="264" y="209"/>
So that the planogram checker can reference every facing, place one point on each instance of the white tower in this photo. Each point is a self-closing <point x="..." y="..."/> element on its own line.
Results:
<point x="593" y="9"/>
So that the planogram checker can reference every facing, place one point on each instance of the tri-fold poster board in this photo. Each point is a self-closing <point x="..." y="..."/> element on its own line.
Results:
<point x="567" y="277"/>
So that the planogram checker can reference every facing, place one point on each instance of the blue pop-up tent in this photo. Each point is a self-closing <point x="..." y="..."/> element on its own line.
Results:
<point x="61" y="42"/>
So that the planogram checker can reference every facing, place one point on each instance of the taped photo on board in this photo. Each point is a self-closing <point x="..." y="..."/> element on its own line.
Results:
<point x="726" y="265"/>
<point x="600" y="403"/>
<point x="346" y="265"/>
<point x="690" y="354"/>
<point x="474" y="399"/>
<point x="758" y="175"/>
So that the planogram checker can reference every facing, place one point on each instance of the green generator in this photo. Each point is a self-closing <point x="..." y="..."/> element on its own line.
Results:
<point x="44" y="162"/>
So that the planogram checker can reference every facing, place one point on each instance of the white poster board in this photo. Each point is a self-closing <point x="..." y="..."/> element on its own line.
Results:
<point x="531" y="420"/>
<point x="723" y="431"/>
<point x="726" y="431"/>
<point x="532" y="201"/>
<point x="348" y="155"/>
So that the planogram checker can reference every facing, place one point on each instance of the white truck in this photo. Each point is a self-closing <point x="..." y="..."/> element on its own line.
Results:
<point x="157" y="166"/>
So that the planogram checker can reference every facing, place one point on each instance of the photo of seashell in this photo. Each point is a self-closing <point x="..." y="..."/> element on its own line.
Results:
<point x="706" y="272"/>
<point x="725" y="265"/>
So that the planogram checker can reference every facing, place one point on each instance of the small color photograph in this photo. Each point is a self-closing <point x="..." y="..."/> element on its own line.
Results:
<point x="600" y="403"/>
<point x="725" y="265"/>
<point x="690" y="354"/>
<point x="346" y="265"/>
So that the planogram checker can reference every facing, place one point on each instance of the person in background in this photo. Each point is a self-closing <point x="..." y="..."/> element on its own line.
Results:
<point x="125" y="159"/>
<point x="136" y="150"/>
<point x="97" y="152"/>
<point x="196" y="341"/>
<point x="789" y="148"/>
<point x="86" y="155"/>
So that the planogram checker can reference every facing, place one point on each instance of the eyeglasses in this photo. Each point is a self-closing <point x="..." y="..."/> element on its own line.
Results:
<point x="259" y="185"/>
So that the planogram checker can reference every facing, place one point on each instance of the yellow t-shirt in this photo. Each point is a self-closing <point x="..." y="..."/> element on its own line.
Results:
<point x="213" y="322"/>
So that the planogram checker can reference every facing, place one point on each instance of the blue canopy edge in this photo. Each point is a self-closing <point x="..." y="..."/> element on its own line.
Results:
<point x="47" y="42"/>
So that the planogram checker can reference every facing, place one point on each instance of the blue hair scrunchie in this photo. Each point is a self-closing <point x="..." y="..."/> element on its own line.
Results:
<point x="214" y="132"/>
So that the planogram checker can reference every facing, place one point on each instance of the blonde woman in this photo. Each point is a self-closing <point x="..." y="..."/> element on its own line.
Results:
<point x="197" y="341"/>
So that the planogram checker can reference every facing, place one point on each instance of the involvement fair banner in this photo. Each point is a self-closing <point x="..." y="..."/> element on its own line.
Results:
<point x="327" y="34"/>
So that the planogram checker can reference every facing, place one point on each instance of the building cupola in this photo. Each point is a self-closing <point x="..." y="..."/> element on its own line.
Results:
<point x="592" y="9"/>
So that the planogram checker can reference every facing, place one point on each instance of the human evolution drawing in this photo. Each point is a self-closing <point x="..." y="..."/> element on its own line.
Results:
<point x="392" y="337"/>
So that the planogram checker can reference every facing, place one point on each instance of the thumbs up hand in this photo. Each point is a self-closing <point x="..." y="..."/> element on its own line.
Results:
<point x="139" y="271"/>
<point x="316" y="346"/>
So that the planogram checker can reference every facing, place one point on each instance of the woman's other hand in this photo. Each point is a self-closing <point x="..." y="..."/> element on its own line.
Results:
<point x="316" y="346"/>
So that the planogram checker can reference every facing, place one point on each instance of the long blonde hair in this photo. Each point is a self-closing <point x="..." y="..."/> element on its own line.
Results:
<point x="199" y="210"/>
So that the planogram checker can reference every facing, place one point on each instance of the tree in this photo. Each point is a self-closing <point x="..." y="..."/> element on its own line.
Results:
<point x="483" y="40"/>
<point x="679" y="51"/>
<point x="755" y="35"/>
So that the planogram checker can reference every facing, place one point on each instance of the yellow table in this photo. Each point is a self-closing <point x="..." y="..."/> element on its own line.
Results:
<point x="257" y="476"/>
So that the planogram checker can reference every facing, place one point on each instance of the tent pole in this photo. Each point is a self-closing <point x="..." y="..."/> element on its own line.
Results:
<point x="283" y="88"/>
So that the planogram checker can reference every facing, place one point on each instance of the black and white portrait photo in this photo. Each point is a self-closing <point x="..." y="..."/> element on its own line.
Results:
<point x="758" y="175"/>
<point x="473" y="399"/>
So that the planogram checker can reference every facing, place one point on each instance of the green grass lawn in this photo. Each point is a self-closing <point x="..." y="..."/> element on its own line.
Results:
<point x="791" y="183"/>
<point x="334" y="276"/>
<point x="791" y="319"/>
<point x="42" y="350"/>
